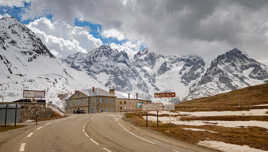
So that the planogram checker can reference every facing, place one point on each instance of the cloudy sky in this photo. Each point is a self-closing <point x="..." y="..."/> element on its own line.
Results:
<point x="180" y="27"/>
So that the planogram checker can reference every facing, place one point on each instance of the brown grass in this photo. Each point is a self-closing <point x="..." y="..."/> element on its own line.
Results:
<point x="3" y="128"/>
<point x="242" y="99"/>
<point x="253" y="136"/>
<point x="226" y="118"/>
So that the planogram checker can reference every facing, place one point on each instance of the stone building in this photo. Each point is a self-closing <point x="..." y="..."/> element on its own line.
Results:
<point x="130" y="104"/>
<point x="91" y="101"/>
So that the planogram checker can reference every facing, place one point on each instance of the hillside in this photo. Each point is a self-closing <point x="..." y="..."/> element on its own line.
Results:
<point x="229" y="122"/>
<point x="239" y="99"/>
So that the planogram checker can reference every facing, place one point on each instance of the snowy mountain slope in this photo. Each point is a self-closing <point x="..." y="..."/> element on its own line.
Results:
<point x="169" y="73"/>
<point x="110" y="67"/>
<point x="227" y="72"/>
<point x="26" y="63"/>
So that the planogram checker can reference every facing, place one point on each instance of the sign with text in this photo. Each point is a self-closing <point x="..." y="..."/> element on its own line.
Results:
<point x="165" y="95"/>
<point x="153" y="107"/>
<point x="33" y="94"/>
<point x="169" y="107"/>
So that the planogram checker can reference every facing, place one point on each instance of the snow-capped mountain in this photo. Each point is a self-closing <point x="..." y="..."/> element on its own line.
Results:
<point x="227" y="72"/>
<point x="169" y="73"/>
<point x="147" y="72"/>
<point x="26" y="63"/>
<point x="110" y="67"/>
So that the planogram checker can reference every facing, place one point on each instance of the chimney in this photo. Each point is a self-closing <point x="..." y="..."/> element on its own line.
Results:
<point x="93" y="89"/>
<point x="137" y="95"/>
<point x="112" y="92"/>
<point x="128" y="95"/>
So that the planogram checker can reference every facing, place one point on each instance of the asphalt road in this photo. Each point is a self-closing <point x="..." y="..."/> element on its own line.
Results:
<point x="103" y="132"/>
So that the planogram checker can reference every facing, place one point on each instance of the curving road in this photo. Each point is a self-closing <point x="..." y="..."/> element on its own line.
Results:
<point x="103" y="132"/>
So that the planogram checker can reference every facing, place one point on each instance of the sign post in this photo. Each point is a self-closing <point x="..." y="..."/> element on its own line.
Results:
<point x="152" y="107"/>
<point x="157" y="119"/>
<point x="146" y="119"/>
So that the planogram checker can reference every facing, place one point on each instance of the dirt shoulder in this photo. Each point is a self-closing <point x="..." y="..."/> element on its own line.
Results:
<point x="136" y="123"/>
<point x="254" y="137"/>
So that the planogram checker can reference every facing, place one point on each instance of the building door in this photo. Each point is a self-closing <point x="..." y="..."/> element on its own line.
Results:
<point x="92" y="110"/>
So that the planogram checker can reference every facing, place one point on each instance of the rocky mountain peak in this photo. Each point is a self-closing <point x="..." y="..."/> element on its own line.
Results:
<point x="18" y="37"/>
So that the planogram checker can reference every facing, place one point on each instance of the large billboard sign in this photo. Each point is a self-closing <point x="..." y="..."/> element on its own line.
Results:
<point x="165" y="95"/>
<point x="33" y="94"/>
<point x="153" y="107"/>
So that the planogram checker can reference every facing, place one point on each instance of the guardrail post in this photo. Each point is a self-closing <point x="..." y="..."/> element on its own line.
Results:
<point x="6" y="116"/>
<point x="16" y="114"/>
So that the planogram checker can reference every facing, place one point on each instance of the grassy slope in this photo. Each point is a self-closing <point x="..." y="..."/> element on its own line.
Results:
<point x="247" y="97"/>
<point x="252" y="136"/>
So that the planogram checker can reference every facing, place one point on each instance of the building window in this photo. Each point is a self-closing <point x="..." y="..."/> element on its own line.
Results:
<point x="78" y="102"/>
<point x="100" y="100"/>
<point x="125" y="102"/>
<point x="107" y="100"/>
<point x="112" y="101"/>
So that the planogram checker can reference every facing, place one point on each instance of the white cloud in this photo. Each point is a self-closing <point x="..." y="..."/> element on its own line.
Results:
<point x="11" y="3"/>
<point x="113" y="33"/>
<point x="63" y="39"/>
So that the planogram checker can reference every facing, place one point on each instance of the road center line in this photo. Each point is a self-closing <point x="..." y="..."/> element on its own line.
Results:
<point x="107" y="149"/>
<point x="29" y="135"/>
<point x="141" y="138"/>
<point x="94" y="141"/>
<point x="87" y="135"/>
<point x="22" y="146"/>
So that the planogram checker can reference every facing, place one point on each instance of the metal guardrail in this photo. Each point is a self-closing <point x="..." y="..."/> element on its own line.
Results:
<point x="9" y="114"/>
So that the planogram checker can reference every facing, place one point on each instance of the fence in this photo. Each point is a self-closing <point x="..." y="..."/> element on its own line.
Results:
<point x="9" y="114"/>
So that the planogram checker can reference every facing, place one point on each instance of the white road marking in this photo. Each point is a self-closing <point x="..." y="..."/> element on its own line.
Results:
<point x="141" y="138"/>
<point x="39" y="128"/>
<point x="83" y="130"/>
<point x="107" y="149"/>
<point x="94" y="141"/>
<point x="87" y="135"/>
<point x="22" y="146"/>
<point x="29" y="135"/>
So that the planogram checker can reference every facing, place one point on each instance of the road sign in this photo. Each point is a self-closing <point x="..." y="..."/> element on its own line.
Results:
<point x="153" y="107"/>
<point x="33" y="94"/>
<point x="169" y="107"/>
<point x="165" y="95"/>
